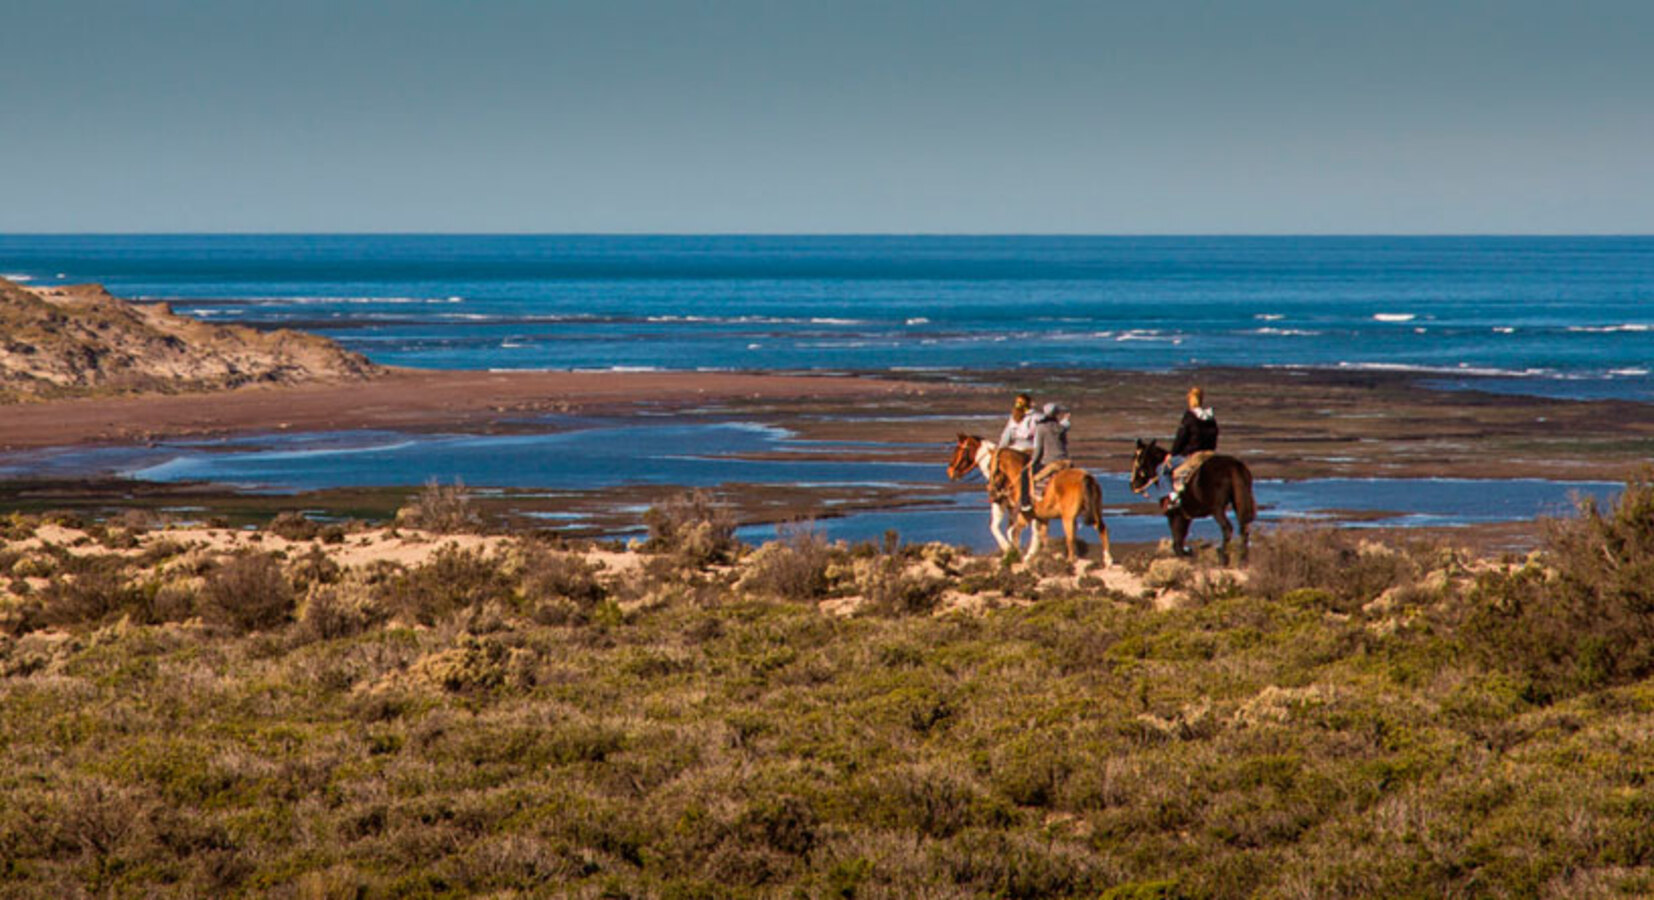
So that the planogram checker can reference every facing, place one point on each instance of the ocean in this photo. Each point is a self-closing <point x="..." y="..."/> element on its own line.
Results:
<point x="1551" y="316"/>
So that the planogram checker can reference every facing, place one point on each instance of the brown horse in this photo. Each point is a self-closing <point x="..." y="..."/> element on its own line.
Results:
<point x="1070" y="495"/>
<point x="1221" y="483"/>
<point x="972" y="452"/>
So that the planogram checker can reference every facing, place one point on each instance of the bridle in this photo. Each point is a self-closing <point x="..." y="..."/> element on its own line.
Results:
<point x="1138" y="461"/>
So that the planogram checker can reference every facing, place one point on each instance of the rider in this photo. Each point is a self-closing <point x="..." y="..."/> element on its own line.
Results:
<point x="1196" y="441"/>
<point x="1019" y="429"/>
<point x="1050" y="454"/>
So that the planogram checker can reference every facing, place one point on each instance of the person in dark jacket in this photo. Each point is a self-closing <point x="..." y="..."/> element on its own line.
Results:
<point x="1196" y="441"/>
<point x="1050" y="454"/>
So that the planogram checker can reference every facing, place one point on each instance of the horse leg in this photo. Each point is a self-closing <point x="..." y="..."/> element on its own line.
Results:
<point x="999" y="527"/>
<point x="1038" y="526"/>
<point x="1222" y="515"/>
<point x="1071" y="522"/>
<point x="1180" y="533"/>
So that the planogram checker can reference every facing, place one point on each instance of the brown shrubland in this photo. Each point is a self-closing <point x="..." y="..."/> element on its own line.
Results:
<point x="1348" y="718"/>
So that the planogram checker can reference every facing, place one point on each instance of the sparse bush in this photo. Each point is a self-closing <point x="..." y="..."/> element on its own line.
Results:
<point x="18" y="527"/>
<point x="792" y="568"/>
<point x="452" y="579"/>
<point x="692" y="527"/>
<point x="293" y="526"/>
<point x="248" y="592"/>
<point x="891" y="587"/>
<point x="476" y="664"/>
<point x="340" y="609"/>
<point x="87" y="597"/>
<point x="113" y="537"/>
<point x="1351" y="572"/>
<point x="446" y="509"/>
<point x="560" y="588"/>
<point x="311" y="568"/>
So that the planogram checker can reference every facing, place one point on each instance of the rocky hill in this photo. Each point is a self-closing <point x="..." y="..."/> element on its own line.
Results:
<point x="80" y="339"/>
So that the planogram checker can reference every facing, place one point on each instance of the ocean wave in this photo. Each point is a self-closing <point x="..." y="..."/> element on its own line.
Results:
<point x="1628" y="373"/>
<point x="918" y="320"/>
<point x="1635" y="327"/>
<point x="16" y="277"/>
<point x="1419" y="369"/>
<point x="1504" y="329"/>
<point x="1394" y="317"/>
<point x="348" y="301"/>
<point x="1460" y="369"/>
<point x="1287" y="332"/>
<point x="1270" y="317"/>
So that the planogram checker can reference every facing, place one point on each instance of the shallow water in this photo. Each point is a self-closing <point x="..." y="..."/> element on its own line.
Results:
<point x="595" y="453"/>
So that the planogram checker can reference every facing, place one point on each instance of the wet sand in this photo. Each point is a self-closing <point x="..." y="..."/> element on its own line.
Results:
<point x="407" y="399"/>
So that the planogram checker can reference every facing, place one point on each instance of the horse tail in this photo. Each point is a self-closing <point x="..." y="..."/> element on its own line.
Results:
<point x="1246" y="505"/>
<point x="1094" y="501"/>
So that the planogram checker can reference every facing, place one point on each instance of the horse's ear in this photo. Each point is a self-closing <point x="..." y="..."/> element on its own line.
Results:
<point x="1140" y="444"/>
<point x="962" y="437"/>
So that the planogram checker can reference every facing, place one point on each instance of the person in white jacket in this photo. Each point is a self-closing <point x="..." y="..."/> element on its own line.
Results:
<point x="1019" y="429"/>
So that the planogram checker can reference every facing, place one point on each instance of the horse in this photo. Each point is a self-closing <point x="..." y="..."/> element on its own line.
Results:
<point x="1070" y="495"/>
<point x="972" y="452"/>
<point x="1221" y="483"/>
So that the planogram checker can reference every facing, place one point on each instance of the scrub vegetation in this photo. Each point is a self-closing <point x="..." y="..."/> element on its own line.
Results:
<point x="519" y="717"/>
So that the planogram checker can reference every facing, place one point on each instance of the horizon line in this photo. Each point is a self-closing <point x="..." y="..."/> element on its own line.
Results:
<point x="846" y="234"/>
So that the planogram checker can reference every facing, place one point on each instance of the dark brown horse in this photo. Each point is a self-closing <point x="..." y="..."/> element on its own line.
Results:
<point x="1070" y="495"/>
<point x="1221" y="483"/>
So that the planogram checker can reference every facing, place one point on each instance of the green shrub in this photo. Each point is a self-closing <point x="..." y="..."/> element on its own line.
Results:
<point x="1585" y="620"/>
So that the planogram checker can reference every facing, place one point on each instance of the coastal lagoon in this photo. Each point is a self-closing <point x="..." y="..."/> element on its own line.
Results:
<point x="587" y="454"/>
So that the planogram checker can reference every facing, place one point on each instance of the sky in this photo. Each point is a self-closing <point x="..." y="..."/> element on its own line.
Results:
<point x="1153" y="117"/>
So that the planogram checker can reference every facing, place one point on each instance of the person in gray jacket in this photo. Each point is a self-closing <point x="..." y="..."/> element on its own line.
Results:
<point x="1050" y="454"/>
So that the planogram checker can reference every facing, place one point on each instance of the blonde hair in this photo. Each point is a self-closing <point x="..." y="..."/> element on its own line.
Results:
<point x="1197" y="394"/>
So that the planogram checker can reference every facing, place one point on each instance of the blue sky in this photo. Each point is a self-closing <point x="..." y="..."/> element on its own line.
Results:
<point x="1273" y="116"/>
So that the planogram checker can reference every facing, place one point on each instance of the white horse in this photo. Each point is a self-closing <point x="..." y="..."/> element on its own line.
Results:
<point x="972" y="452"/>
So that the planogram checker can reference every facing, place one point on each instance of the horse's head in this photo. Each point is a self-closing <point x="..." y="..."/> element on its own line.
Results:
<point x="1145" y="465"/>
<point x="964" y="456"/>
